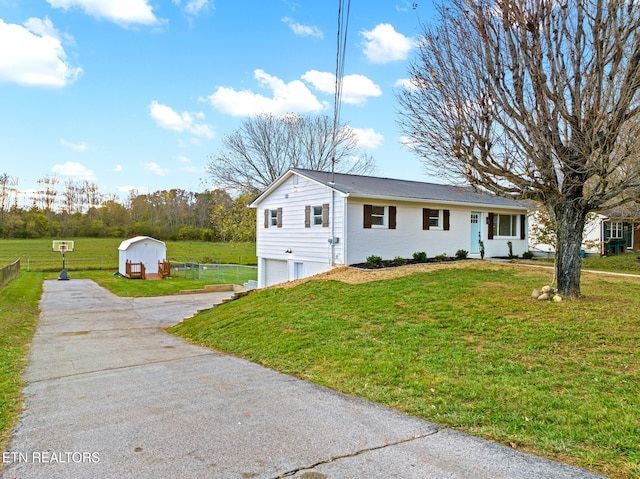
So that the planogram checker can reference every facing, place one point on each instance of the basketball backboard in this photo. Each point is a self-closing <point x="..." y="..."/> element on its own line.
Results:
<point x="62" y="246"/>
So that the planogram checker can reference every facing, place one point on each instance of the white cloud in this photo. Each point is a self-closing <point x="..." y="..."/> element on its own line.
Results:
<point x="303" y="30"/>
<point x="118" y="169"/>
<point x="80" y="147"/>
<point x="404" y="83"/>
<point x="36" y="56"/>
<point x="122" y="12"/>
<point x="384" y="45"/>
<point x="356" y="89"/>
<point x="195" y="7"/>
<point x="368" y="138"/>
<point x="286" y="98"/>
<point x="182" y="159"/>
<point x="155" y="169"/>
<point x="74" y="170"/>
<point x="167" y="117"/>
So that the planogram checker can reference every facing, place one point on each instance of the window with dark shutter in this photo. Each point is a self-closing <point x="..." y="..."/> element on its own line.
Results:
<point x="367" y="216"/>
<point x="445" y="220"/>
<point x="490" y="228"/>
<point x="325" y="215"/>
<point x="426" y="212"/>
<point x="392" y="217"/>
<point x="307" y="216"/>
<point x="279" y="216"/>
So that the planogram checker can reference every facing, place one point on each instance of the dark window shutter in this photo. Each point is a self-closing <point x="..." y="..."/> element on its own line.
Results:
<point x="523" y="225"/>
<point x="490" y="232"/>
<point x="425" y="218"/>
<point x="307" y="216"/>
<point x="367" y="216"/>
<point x="279" y="217"/>
<point x="445" y="220"/>
<point x="266" y="218"/>
<point x="325" y="215"/>
<point x="392" y="217"/>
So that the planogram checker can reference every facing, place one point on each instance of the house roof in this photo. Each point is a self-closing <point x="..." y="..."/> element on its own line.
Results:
<point x="126" y="243"/>
<point x="394" y="189"/>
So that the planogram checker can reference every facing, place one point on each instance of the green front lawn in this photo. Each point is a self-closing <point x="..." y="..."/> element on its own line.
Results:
<point x="18" y="318"/>
<point x="466" y="349"/>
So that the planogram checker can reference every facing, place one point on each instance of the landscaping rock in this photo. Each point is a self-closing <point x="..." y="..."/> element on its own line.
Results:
<point x="535" y="293"/>
<point x="543" y="297"/>
<point x="557" y="298"/>
<point x="547" y="289"/>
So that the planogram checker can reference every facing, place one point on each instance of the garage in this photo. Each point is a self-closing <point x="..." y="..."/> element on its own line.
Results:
<point x="275" y="271"/>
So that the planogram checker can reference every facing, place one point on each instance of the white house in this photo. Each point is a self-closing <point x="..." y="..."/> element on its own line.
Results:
<point x="310" y="221"/>
<point x="141" y="249"/>
<point x="606" y="232"/>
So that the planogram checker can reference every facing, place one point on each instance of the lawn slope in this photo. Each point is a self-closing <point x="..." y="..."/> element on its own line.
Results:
<point x="465" y="348"/>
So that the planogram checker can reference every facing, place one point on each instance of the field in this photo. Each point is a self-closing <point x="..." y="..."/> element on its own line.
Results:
<point x="102" y="253"/>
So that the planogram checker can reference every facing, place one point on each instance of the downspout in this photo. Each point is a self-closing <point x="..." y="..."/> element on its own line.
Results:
<point x="333" y="228"/>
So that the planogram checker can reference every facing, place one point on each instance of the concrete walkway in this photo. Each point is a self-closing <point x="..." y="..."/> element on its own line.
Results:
<point x="111" y="395"/>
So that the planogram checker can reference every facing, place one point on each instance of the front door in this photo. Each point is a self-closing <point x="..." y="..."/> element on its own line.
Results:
<point x="474" y="247"/>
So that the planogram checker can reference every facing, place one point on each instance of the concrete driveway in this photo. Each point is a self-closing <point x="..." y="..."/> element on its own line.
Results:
<point x="109" y="394"/>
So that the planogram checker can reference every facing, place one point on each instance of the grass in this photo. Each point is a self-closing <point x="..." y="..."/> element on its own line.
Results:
<point x="18" y="319"/>
<point x="102" y="253"/>
<point x="463" y="348"/>
<point x="466" y="349"/>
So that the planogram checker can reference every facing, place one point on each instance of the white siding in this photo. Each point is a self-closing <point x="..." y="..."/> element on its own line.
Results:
<point x="409" y="237"/>
<point x="310" y="246"/>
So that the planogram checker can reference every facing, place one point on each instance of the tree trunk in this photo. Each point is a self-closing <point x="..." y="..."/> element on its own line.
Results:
<point x="570" y="219"/>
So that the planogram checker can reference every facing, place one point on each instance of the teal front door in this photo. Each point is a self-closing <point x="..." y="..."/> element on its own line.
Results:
<point x="474" y="247"/>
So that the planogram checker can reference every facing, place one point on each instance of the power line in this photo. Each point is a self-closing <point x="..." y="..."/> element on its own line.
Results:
<point x="341" y="49"/>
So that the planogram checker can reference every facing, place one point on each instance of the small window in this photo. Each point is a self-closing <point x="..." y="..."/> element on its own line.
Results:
<point x="434" y="219"/>
<point x="273" y="217"/>
<point x="505" y="225"/>
<point x="317" y="215"/>
<point x="616" y="230"/>
<point x="377" y="215"/>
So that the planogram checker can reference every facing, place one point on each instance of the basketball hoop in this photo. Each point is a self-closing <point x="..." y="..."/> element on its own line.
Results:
<point x="62" y="246"/>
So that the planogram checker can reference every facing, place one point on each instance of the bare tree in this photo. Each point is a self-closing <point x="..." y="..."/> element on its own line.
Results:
<point x="266" y="146"/>
<point x="7" y="190"/>
<point x="47" y="193"/>
<point x="532" y="99"/>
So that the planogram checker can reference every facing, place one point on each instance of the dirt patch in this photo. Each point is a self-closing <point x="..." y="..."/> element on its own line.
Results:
<point x="352" y="275"/>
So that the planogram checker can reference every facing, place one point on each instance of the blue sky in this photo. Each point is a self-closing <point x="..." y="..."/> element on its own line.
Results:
<point x="138" y="93"/>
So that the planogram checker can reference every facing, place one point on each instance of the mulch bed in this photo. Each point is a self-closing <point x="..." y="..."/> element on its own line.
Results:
<point x="389" y="263"/>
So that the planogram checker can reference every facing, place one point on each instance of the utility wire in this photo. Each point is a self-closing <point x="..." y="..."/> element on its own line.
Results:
<point x="343" y="27"/>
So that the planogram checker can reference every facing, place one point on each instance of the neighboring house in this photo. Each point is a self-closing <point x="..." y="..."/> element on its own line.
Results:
<point x="606" y="233"/>
<point x="310" y="221"/>
<point x="141" y="249"/>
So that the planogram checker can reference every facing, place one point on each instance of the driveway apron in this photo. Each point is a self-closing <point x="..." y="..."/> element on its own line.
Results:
<point x="110" y="394"/>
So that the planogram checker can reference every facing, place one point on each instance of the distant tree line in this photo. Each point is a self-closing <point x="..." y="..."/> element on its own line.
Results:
<point x="78" y="209"/>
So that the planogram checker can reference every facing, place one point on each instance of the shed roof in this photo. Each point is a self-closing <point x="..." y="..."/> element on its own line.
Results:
<point x="389" y="188"/>
<point x="136" y="239"/>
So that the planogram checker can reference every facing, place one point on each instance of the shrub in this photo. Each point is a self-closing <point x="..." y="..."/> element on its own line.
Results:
<point x="510" y="245"/>
<point x="527" y="255"/>
<point x="420" y="256"/>
<point x="442" y="257"/>
<point x="399" y="260"/>
<point x="462" y="254"/>
<point x="481" y="249"/>
<point x="374" y="260"/>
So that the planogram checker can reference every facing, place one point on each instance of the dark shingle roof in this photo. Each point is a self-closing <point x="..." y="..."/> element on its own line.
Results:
<point x="388" y="188"/>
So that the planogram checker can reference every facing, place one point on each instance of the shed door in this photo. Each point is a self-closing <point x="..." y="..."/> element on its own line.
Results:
<point x="275" y="271"/>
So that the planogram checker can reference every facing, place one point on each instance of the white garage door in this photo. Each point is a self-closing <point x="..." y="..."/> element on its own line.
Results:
<point x="275" y="271"/>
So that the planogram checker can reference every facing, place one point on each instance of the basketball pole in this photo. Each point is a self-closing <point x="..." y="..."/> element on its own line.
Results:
<point x="63" y="274"/>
